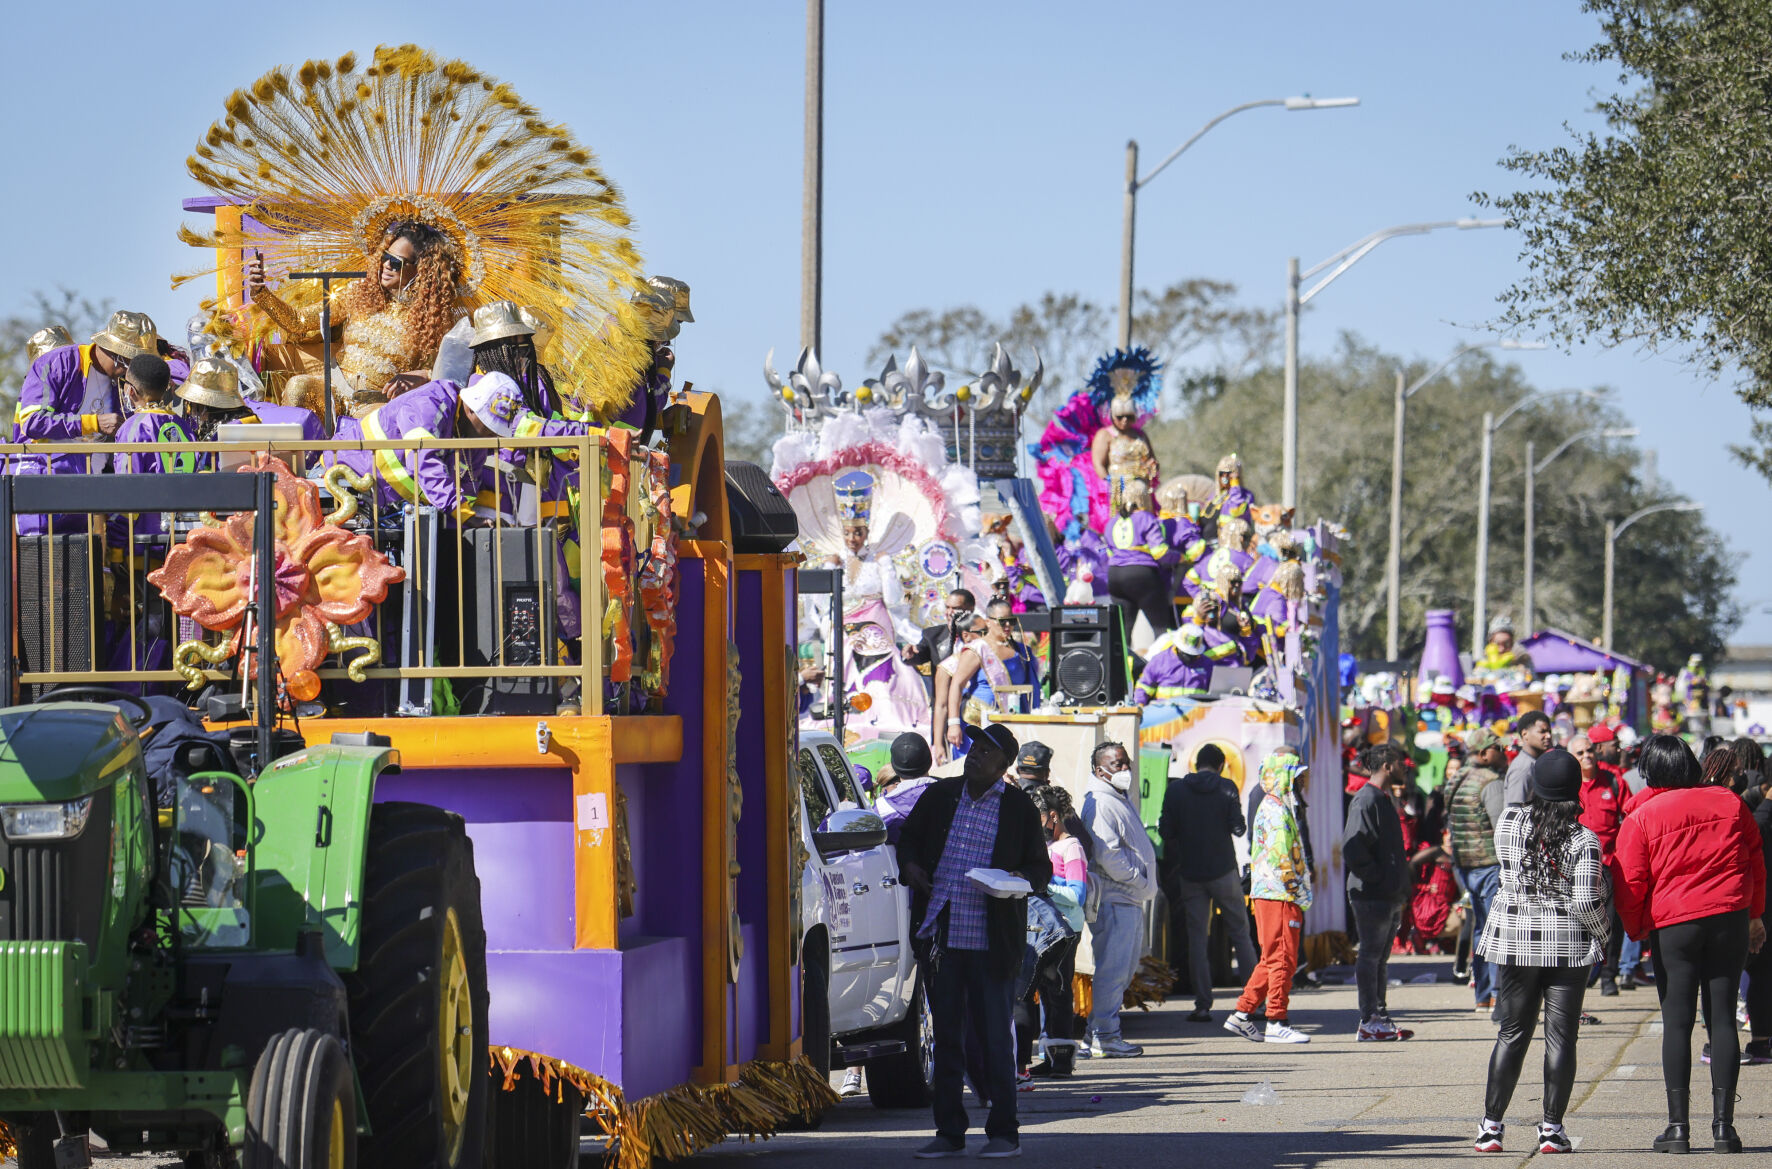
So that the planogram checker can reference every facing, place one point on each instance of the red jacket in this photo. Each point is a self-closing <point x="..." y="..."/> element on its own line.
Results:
<point x="1602" y="808"/>
<point x="1686" y="854"/>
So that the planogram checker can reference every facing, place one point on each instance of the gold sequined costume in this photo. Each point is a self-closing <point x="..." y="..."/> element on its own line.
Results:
<point x="317" y="162"/>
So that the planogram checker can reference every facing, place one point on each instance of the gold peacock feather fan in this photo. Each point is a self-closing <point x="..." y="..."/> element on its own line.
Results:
<point x="322" y="159"/>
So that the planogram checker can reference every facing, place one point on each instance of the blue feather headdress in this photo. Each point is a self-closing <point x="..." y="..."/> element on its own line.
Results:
<point x="1123" y="374"/>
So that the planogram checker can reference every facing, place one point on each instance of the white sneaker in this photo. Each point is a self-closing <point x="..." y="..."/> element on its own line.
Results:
<point x="1237" y="1023"/>
<point x="852" y="1083"/>
<point x="1280" y="1033"/>
<point x="1113" y="1047"/>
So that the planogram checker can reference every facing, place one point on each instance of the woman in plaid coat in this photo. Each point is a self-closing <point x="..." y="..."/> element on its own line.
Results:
<point x="1546" y="930"/>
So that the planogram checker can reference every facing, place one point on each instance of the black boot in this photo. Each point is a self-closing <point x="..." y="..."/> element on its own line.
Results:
<point x="1678" y="1136"/>
<point x="1724" y="1138"/>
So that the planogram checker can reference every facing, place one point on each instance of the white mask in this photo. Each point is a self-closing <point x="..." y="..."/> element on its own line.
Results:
<point x="1122" y="780"/>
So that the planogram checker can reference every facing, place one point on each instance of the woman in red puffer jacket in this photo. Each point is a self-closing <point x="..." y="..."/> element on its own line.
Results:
<point x="1688" y="874"/>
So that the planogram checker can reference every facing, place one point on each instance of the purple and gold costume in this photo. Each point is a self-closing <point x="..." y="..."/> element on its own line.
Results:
<point x="1138" y="541"/>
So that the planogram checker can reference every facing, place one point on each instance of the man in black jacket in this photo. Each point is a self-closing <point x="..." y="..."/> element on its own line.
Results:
<point x="971" y="945"/>
<point x="1377" y="884"/>
<point x="1202" y="814"/>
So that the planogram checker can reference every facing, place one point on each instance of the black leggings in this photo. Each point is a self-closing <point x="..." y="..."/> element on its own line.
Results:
<point x="1052" y="983"/>
<point x="1142" y="588"/>
<point x="1706" y="956"/>
<point x="1522" y="989"/>
<point x="1759" y="993"/>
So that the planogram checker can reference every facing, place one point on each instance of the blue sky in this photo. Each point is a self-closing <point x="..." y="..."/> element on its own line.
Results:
<point x="974" y="153"/>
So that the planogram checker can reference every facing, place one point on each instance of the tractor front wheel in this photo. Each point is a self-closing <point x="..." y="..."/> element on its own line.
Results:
<point x="301" y="1112"/>
<point x="418" y="997"/>
<point x="35" y="1134"/>
<point x="531" y="1129"/>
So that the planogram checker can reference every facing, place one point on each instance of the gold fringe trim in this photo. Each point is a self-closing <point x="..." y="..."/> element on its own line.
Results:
<point x="687" y="1119"/>
<point x="1329" y="948"/>
<point x="8" y="1146"/>
<point x="1151" y="984"/>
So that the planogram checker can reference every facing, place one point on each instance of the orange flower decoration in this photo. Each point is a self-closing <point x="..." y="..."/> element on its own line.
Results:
<point x="324" y="575"/>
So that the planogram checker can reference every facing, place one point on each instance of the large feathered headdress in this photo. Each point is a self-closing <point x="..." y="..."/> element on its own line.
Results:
<point x="324" y="158"/>
<point x="1121" y="375"/>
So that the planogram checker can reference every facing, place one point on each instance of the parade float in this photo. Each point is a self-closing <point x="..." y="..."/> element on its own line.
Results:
<point x="589" y="676"/>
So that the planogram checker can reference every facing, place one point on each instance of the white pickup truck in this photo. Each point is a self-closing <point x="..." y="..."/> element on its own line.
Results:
<point x="860" y="1001"/>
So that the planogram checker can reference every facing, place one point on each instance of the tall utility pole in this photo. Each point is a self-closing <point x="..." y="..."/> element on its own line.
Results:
<point x="1126" y="233"/>
<point x="812" y="197"/>
<point x="1133" y="183"/>
<point x="1393" y="564"/>
<point x="1341" y="261"/>
<point x="1289" y="412"/>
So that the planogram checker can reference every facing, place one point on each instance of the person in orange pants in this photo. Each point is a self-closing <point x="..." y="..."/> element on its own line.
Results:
<point x="1279" y="892"/>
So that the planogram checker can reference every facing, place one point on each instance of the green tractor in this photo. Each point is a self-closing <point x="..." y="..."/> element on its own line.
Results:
<point x="242" y="957"/>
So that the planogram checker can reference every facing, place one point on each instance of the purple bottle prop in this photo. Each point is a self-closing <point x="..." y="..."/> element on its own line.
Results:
<point x="1439" y="652"/>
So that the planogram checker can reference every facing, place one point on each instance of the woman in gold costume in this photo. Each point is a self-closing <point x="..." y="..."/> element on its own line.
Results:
<point x="393" y="320"/>
<point x="444" y="186"/>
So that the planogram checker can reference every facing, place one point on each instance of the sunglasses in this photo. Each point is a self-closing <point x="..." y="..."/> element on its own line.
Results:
<point x="397" y="263"/>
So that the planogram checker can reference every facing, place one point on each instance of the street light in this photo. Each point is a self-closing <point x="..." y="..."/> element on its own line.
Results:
<point x="1393" y="575"/>
<point x="1343" y="260"/>
<point x="1532" y="470"/>
<point x="1133" y="183"/>
<point x="1613" y="531"/>
<point x="1480" y="618"/>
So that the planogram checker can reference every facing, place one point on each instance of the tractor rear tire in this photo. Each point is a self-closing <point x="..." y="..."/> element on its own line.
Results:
<point x="418" y="997"/>
<point x="301" y="1112"/>
<point x="36" y="1139"/>
<point x="532" y="1130"/>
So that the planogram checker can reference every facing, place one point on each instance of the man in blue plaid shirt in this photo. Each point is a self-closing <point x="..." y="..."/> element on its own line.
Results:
<point x="970" y="945"/>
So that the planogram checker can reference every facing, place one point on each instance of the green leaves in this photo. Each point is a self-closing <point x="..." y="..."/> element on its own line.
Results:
<point x="1673" y="578"/>
<point x="1658" y="232"/>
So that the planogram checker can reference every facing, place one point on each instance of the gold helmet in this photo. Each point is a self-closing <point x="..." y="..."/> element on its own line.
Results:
<point x="498" y="320"/>
<point x="47" y="338"/>
<point x="129" y="335"/>
<point x="214" y="383"/>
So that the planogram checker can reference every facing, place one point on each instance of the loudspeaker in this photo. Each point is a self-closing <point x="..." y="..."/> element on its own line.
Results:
<point x="1088" y="662"/>
<point x="762" y="518"/>
<point x="60" y="587"/>
<point x="509" y="597"/>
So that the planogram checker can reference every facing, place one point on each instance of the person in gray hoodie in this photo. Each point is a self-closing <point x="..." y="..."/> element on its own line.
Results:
<point x="1122" y="877"/>
<point x="1202" y="816"/>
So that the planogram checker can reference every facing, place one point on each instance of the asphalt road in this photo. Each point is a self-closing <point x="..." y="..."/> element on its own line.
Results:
<point x="1341" y="1104"/>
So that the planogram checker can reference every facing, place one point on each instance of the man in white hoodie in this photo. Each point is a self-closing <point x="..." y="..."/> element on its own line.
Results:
<point x="1122" y="877"/>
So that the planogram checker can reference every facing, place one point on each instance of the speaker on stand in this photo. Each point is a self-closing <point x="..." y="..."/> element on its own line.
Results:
<point x="1088" y="655"/>
<point x="762" y="518"/>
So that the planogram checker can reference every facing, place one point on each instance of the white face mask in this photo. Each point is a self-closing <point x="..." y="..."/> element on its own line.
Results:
<point x="1121" y="780"/>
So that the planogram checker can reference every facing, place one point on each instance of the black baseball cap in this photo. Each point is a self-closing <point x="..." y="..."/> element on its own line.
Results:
<point x="1035" y="757"/>
<point x="997" y="735"/>
<point x="910" y="756"/>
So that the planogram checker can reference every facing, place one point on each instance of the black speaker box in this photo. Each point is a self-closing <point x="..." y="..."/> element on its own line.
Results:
<point x="508" y="603"/>
<point x="1088" y="659"/>
<point x="762" y="518"/>
<point x="60" y="590"/>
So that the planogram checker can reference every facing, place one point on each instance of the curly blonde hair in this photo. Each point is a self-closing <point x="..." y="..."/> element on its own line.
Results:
<point x="431" y="295"/>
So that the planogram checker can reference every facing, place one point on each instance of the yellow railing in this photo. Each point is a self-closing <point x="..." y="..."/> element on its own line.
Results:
<point x="145" y="550"/>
